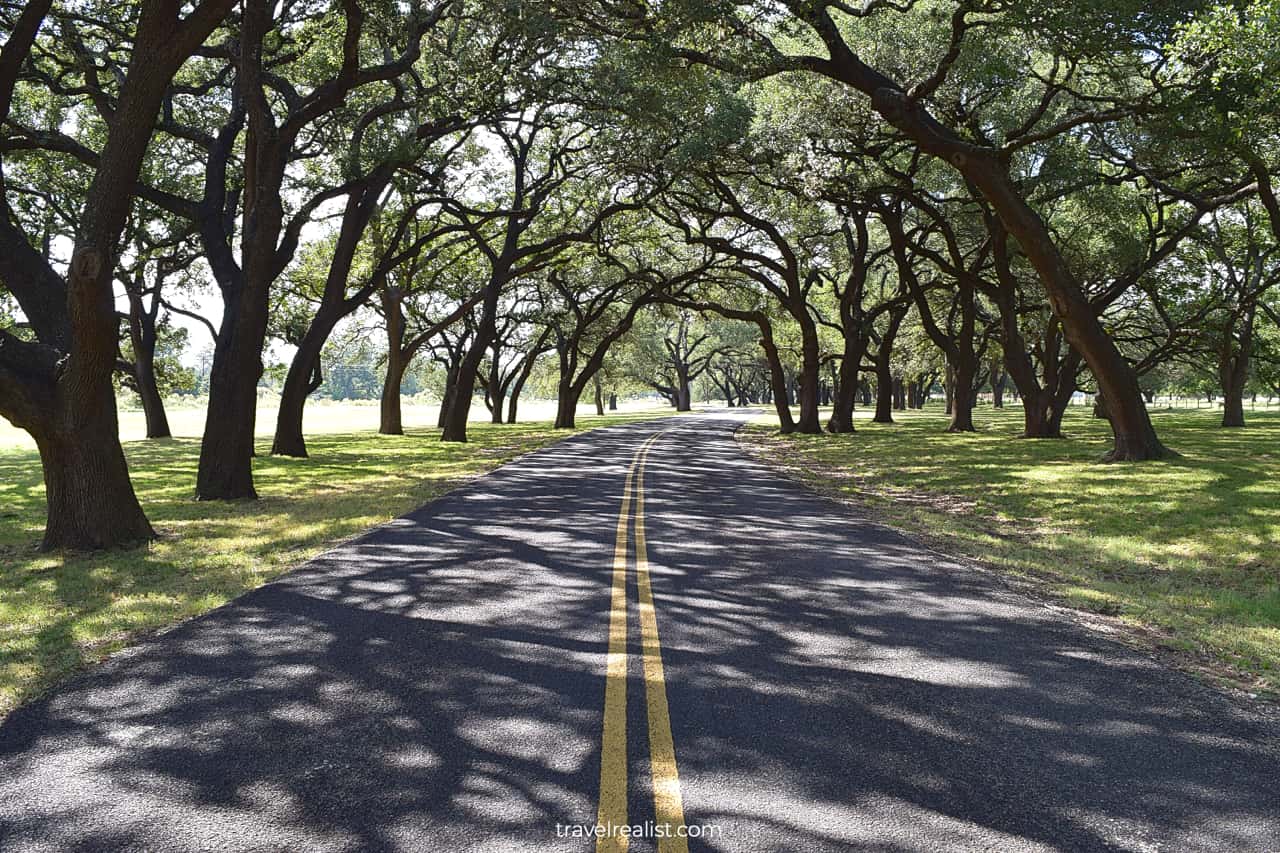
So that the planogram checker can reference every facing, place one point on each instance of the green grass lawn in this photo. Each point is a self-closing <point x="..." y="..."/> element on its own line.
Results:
<point x="60" y="612"/>
<point x="1189" y="547"/>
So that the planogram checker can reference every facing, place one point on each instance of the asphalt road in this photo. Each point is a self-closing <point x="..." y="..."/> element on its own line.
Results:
<point x="791" y="677"/>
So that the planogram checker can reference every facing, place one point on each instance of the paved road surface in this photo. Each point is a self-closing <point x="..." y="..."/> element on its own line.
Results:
<point x="781" y="674"/>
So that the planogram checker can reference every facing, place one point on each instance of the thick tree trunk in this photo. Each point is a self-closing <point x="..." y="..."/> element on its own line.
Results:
<point x="683" y="401"/>
<point x="1035" y="415"/>
<point x="390" y="421"/>
<point x="69" y="407"/>
<point x="567" y="405"/>
<point x="962" y="398"/>
<point x="226" y="450"/>
<point x="450" y="382"/>
<point x="810" y="422"/>
<point x="1233" y="371"/>
<point x="390" y="418"/>
<point x="1232" y="399"/>
<point x="884" y="395"/>
<point x="846" y="391"/>
<point x="457" y="410"/>
<point x="899" y="395"/>
<point x="90" y="499"/>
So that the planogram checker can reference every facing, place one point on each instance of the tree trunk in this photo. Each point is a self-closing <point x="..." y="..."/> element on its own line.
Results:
<point x="810" y="422"/>
<point x="1233" y="371"/>
<point x="301" y="380"/>
<point x="777" y="381"/>
<point x="495" y="394"/>
<point x="566" y="405"/>
<point x="1233" y="395"/>
<point x="949" y="389"/>
<point x="390" y="421"/>
<point x="613" y="402"/>
<point x="962" y="398"/>
<point x="226" y="450"/>
<point x="599" y="398"/>
<point x="516" y="389"/>
<point x="90" y="499"/>
<point x="683" y="401"/>
<point x="884" y="369"/>
<point x="144" y="376"/>
<point x="846" y="391"/>
<point x="884" y="395"/>
<point x="458" y="408"/>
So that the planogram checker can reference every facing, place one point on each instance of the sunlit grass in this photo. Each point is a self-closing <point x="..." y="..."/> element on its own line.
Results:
<point x="59" y="612"/>
<point x="1189" y="546"/>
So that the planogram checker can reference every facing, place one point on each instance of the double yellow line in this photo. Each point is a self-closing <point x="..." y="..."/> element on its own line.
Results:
<point x="668" y="806"/>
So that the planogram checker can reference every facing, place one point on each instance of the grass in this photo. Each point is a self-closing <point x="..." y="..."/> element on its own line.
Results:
<point x="1188" y="548"/>
<point x="60" y="612"/>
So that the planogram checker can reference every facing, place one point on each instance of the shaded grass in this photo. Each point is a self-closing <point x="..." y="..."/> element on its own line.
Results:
<point x="59" y="612"/>
<point x="1189" y="547"/>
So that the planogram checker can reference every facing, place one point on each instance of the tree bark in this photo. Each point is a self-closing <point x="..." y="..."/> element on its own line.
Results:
<point x="846" y="391"/>
<point x="1233" y="379"/>
<point x="525" y="372"/>
<point x="390" y="420"/>
<point x="997" y="385"/>
<point x="962" y="397"/>
<point x="777" y="380"/>
<point x="390" y="417"/>
<point x="1233" y="368"/>
<point x="567" y="396"/>
<point x="458" y="409"/>
<point x="810" y="422"/>
<point x="144" y="376"/>
<point x="226" y="450"/>
<point x="299" y="383"/>
<point x="90" y="498"/>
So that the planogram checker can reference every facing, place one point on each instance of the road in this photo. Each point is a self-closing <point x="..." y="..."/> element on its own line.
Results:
<point x="640" y="626"/>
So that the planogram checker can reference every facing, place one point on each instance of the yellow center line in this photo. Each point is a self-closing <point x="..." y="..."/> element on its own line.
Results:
<point x="612" y="811"/>
<point x="668" y="806"/>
